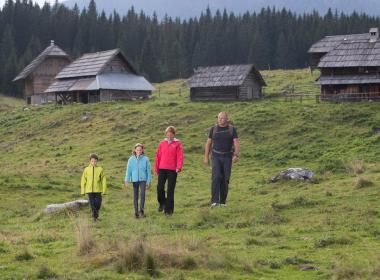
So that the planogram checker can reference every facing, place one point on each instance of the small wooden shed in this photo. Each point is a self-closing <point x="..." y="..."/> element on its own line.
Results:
<point x="97" y="77"/>
<point x="228" y="82"/>
<point x="40" y="73"/>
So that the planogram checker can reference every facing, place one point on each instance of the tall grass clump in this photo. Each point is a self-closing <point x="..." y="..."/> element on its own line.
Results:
<point x="25" y="255"/>
<point x="355" y="166"/>
<point x="44" y="272"/>
<point x="85" y="242"/>
<point x="130" y="258"/>
<point x="360" y="182"/>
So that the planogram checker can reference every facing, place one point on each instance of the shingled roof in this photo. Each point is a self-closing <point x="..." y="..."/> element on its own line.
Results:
<point x="115" y="81"/>
<point x="329" y="43"/>
<point x="91" y="64"/>
<point x="353" y="54"/>
<point x="51" y="51"/>
<point x="223" y="76"/>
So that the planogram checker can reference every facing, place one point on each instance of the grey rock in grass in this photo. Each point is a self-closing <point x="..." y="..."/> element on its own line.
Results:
<point x="85" y="117"/>
<point x="296" y="173"/>
<point x="51" y="208"/>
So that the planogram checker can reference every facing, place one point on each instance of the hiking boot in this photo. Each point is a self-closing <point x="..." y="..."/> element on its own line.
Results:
<point x="213" y="205"/>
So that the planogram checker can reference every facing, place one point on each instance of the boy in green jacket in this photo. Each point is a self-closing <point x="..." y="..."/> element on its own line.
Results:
<point x="94" y="184"/>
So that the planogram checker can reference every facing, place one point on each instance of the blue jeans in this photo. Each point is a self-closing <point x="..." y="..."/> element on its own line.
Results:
<point x="136" y="186"/>
<point x="221" y="173"/>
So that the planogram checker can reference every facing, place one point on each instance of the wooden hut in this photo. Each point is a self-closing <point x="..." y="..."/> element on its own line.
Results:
<point x="97" y="77"/>
<point x="351" y="70"/>
<point x="229" y="82"/>
<point x="40" y="73"/>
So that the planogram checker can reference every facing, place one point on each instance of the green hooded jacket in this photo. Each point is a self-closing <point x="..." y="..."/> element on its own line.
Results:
<point x="93" y="180"/>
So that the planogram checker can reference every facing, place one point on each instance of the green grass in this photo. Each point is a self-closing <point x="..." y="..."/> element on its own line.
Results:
<point x="268" y="231"/>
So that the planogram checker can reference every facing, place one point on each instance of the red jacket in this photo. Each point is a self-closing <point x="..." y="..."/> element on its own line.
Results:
<point x="169" y="155"/>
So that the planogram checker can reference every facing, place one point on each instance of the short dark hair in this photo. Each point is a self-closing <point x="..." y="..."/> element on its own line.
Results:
<point x="95" y="156"/>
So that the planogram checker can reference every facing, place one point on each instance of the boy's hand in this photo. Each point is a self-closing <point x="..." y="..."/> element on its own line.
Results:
<point x="148" y="185"/>
<point x="126" y="185"/>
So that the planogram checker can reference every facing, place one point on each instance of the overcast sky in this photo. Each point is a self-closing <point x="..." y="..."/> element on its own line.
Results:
<point x="41" y="2"/>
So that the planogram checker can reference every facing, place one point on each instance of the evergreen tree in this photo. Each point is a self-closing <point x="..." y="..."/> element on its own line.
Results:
<point x="149" y="61"/>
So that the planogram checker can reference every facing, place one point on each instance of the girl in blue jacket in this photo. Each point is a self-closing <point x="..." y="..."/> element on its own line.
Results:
<point x="138" y="173"/>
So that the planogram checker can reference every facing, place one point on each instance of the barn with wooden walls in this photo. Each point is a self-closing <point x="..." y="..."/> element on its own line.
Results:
<point x="350" y="71"/>
<point x="228" y="82"/>
<point x="40" y="73"/>
<point x="97" y="77"/>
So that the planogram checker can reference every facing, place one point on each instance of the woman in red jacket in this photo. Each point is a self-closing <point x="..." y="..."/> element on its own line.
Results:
<point x="168" y="163"/>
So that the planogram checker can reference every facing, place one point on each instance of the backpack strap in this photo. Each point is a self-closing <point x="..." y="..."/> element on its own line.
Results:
<point x="214" y="128"/>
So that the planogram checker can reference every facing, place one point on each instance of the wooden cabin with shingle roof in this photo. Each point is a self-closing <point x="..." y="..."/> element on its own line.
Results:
<point x="40" y="73"/>
<point x="350" y="71"/>
<point x="228" y="82"/>
<point x="97" y="77"/>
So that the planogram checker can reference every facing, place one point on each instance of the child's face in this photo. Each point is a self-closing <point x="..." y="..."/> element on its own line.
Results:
<point x="93" y="161"/>
<point x="138" y="151"/>
<point x="169" y="135"/>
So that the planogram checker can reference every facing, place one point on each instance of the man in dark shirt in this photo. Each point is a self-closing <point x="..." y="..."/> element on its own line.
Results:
<point x="224" y="146"/>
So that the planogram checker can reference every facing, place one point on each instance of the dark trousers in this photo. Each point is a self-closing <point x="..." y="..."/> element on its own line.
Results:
<point x="166" y="201"/>
<point x="221" y="173"/>
<point x="136" y="187"/>
<point x="95" y="200"/>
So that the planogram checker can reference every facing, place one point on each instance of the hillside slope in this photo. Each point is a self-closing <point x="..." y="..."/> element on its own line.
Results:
<point x="328" y="228"/>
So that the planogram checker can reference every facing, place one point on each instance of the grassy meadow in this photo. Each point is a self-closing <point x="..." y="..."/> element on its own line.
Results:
<point x="325" y="229"/>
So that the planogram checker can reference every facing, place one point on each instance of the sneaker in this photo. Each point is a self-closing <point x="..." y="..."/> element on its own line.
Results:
<point x="141" y="214"/>
<point x="137" y="215"/>
<point x="160" y="208"/>
<point x="223" y="205"/>
<point x="213" y="205"/>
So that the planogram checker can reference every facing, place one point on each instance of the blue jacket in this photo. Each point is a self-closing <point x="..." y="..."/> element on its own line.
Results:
<point x="138" y="169"/>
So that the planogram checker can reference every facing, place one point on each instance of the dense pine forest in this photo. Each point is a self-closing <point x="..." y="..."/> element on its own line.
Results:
<point x="168" y="48"/>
